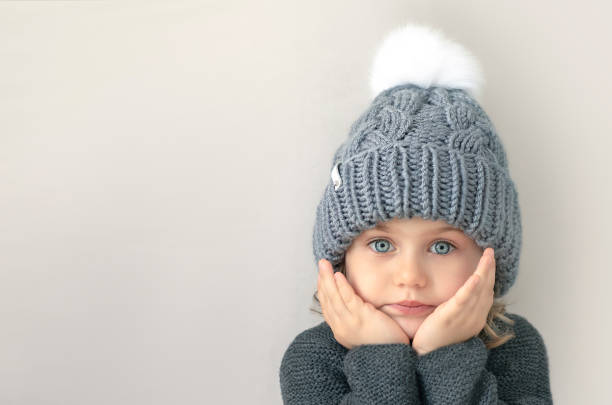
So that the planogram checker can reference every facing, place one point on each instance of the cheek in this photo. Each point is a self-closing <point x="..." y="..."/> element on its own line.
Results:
<point x="454" y="280"/>
<point x="366" y="285"/>
<point x="450" y="285"/>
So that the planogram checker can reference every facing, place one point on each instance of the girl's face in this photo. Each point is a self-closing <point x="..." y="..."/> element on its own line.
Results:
<point x="410" y="259"/>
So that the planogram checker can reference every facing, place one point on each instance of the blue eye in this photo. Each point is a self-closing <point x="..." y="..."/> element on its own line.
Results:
<point x="441" y="247"/>
<point x="382" y="243"/>
<point x="444" y="247"/>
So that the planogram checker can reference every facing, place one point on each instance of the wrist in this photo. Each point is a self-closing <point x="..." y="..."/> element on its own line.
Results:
<point x="420" y="350"/>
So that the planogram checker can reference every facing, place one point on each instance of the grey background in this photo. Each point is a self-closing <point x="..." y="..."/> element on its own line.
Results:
<point x="161" y="162"/>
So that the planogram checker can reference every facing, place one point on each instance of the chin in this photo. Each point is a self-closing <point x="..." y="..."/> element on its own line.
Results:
<point x="409" y="324"/>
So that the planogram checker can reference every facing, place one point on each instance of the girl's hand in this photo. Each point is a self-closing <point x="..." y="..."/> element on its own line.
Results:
<point x="464" y="315"/>
<point x="353" y="321"/>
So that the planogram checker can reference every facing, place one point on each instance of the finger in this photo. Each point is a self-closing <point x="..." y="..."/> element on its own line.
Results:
<point x="331" y="291"/>
<point x="335" y="304"/>
<point x="484" y="263"/>
<point x="474" y="287"/>
<point x="319" y="291"/>
<point x="491" y="270"/>
<point x="323" y="296"/>
<point x="485" y="273"/>
<point x="321" y="287"/>
<point x="486" y="270"/>
<point x="463" y="295"/>
<point x="469" y="288"/>
<point x="350" y="298"/>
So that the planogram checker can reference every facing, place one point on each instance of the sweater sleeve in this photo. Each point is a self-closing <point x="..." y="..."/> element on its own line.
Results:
<point x="467" y="373"/>
<point x="314" y="373"/>
<point x="381" y="374"/>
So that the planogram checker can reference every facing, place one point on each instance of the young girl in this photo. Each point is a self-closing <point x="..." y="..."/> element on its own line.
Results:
<point x="417" y="233"/>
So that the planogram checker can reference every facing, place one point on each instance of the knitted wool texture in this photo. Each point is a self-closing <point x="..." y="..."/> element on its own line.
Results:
<point x="427" y="152"/>
<point x="316" y="369"/>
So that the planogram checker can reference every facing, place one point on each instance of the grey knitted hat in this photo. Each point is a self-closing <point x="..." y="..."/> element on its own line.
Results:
<point x="424" y="147"/>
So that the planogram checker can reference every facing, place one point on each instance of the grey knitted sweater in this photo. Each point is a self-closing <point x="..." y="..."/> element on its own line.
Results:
<point x="316" y="369"/>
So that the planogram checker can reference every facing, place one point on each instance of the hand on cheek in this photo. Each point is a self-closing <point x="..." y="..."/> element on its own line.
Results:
<point x="352" y="320"/>
<point x="464" y="315"/>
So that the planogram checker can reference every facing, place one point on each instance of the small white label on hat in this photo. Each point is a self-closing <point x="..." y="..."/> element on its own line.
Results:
<point x="335" y="175"/>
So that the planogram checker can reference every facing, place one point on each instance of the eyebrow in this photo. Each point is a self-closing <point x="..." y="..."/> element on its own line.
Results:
<point x="385" y="228"/>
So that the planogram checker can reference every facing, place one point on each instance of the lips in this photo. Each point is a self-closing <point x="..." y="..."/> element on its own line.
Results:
<point x="411" y="303"/>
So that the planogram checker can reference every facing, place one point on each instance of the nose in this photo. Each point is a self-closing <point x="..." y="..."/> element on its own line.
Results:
<point x="409" y="272"/>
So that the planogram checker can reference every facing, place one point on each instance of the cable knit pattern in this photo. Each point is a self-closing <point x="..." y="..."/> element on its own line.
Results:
<point x="431" y="153"/>
<point x="316" y="369"/>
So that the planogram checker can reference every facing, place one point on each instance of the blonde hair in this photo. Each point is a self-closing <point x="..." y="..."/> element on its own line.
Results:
<point x="490" y="334"/>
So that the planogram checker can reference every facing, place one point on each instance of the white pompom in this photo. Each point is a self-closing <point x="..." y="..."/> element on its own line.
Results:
<point x="423" y="56"/>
